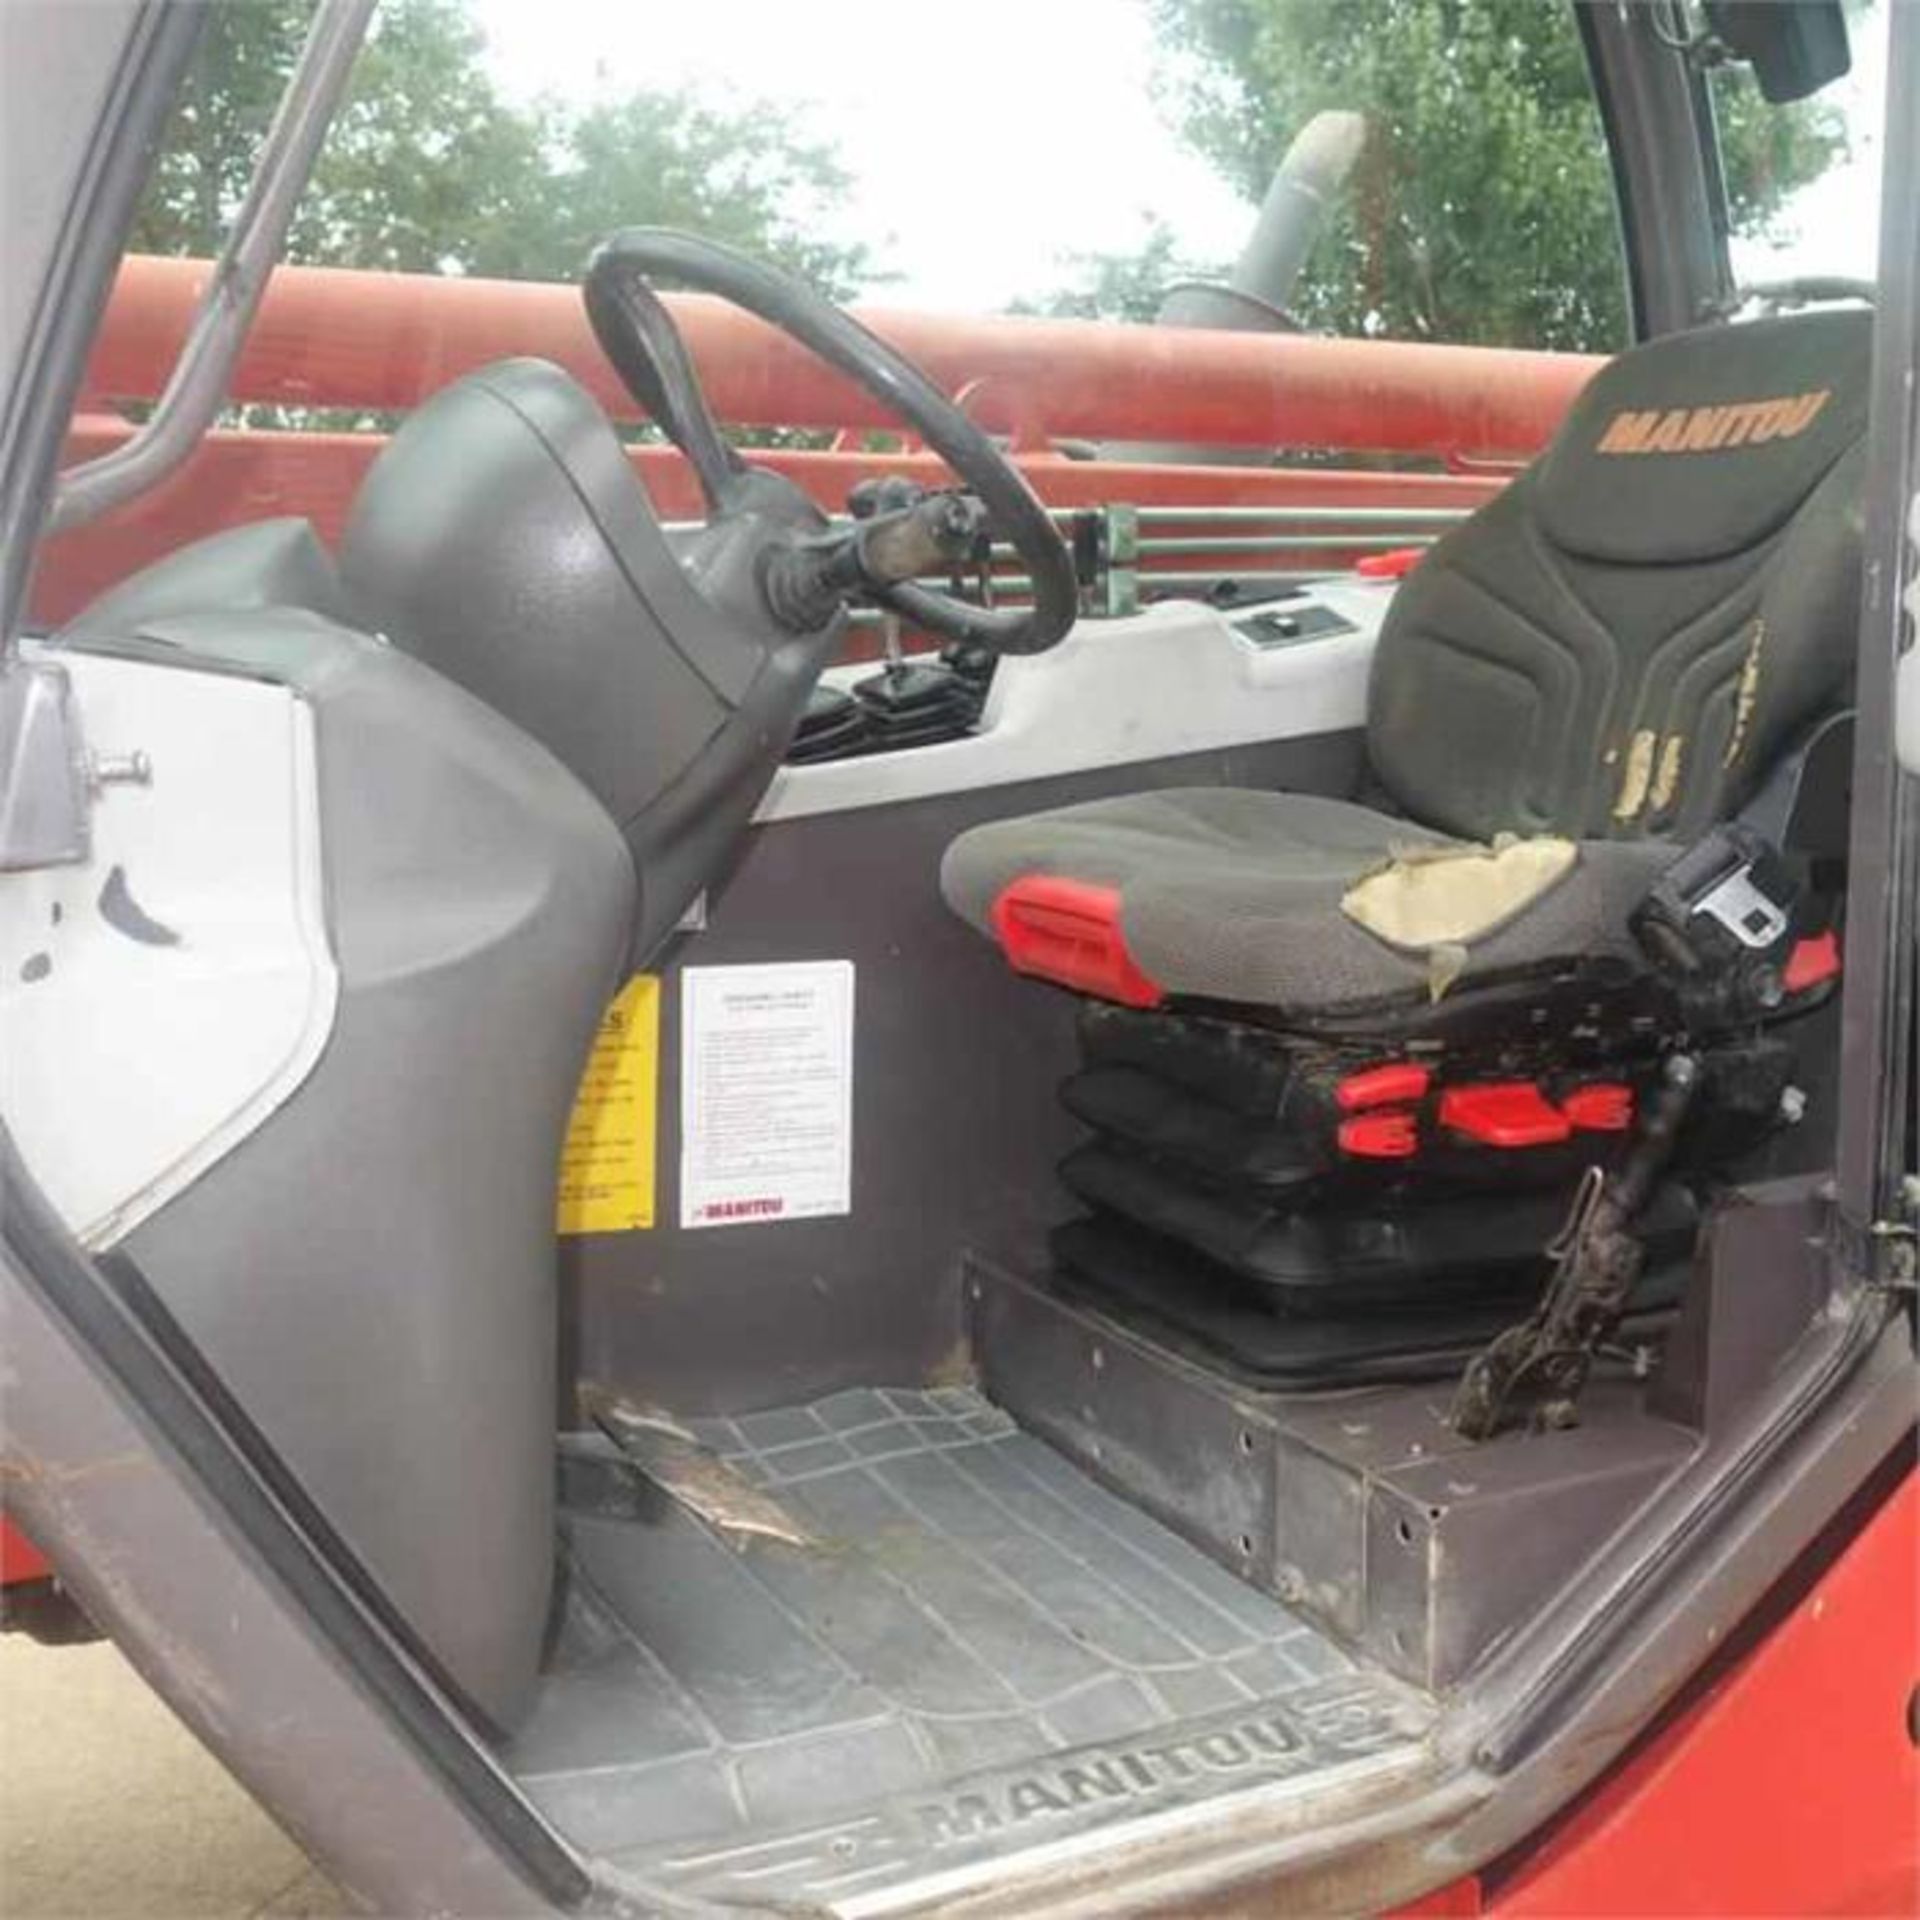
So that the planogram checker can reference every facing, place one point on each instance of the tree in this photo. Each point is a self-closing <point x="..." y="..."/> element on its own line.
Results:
<point x="1482" y="208"/>
<point x="428" y="169"/>
<point x="750" y="176"/>
<point x="1120" y="286"/>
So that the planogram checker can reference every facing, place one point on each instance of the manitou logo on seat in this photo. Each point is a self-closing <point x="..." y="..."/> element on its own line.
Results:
<point x="1743" y="423"/>
<point x="742" y="1209"/>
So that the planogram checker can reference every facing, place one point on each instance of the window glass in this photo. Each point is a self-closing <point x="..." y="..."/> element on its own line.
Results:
<point x="1803" y="182"/>
<point x="1426" y="171"/>
<point x="1077" y="156"/>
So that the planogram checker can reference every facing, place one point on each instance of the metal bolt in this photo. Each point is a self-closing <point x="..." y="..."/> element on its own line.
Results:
<point x="1793" y="1105"/>
<point x="120" y="770"/>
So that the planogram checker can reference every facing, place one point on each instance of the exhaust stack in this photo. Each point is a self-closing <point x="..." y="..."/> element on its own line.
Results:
<point x="1307" y="183"/>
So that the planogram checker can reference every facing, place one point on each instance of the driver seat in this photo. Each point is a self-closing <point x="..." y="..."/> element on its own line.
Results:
<point x="1313" y="1024"/>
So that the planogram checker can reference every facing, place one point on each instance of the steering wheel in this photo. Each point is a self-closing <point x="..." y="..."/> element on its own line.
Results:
<point x="804" y="581"/>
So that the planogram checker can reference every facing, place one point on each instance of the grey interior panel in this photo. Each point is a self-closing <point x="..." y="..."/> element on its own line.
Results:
<point x="503" y="538"/>
<point x="956" y="1123"/>
<point x="265" y="563"/>
<point x="971" y="1648"/>
<point x="371" y="1273"/>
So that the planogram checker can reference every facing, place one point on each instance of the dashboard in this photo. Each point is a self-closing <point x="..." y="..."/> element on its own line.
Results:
<point x="1179" y="677"/>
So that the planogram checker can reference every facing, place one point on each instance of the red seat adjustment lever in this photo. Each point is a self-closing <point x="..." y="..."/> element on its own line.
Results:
<point x="1068" y="931"/>
<point x="1812" y="963"/>
<point x="1504" y="1113"/>
<point x="1396" y="1084"/>
<point x="1603" y="1107"/>
<point x="1380" y="1136"/>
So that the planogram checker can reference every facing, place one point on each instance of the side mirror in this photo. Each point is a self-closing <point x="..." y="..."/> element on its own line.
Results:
<point x="1794" y="46"/>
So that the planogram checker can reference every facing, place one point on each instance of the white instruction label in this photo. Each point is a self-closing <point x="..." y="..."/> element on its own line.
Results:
<point x="766" y="1092"/>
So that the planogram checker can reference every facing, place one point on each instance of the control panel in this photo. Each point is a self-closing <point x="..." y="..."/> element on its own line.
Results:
<point x="1285" y="623"/>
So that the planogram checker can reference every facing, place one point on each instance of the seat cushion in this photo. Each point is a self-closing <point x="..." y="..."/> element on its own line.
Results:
<point x="1232" y="895"/>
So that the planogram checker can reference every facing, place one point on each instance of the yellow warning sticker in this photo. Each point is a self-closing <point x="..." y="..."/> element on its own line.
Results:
<point x="606" y="1167"/>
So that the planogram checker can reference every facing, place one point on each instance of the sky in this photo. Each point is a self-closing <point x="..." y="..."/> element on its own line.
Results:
<point x="987" y="138"/>
<point x="992" y="140"/>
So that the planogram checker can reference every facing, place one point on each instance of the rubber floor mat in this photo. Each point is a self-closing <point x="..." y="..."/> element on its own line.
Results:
<point x="967" y="1648"/>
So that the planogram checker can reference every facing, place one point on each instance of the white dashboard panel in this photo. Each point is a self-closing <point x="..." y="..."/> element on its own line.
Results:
<point x="1179" y="678"/>
<point x="159" y="1001"/>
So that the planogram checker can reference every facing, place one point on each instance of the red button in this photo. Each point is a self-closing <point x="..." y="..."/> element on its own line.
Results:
<point x="1391" y="565"/>
<point x="1380" y="1136"/>
<point x="1504" y="1113"/>
<point x="1396" y="1084"/>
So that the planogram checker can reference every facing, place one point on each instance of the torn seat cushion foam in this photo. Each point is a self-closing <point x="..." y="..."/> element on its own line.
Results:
<point x="1238" y="896"/>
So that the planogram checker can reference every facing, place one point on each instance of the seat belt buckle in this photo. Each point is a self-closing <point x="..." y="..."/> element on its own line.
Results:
<point x="1719" y="920"/>
<point x="1754" y="920"/>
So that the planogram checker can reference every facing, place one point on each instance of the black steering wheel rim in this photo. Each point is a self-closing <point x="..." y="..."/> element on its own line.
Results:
<point x="639" y="337"/>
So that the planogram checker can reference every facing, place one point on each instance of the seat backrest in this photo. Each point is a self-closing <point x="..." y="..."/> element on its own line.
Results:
<point x="1621" y="642"/>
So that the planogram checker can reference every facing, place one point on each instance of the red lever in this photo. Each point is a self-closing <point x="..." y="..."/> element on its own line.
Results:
<point x="1380" y="1136"/>
<point x="1812" y="963"/>
<point x="1604" y="1107"/>
<point x="1068" y="931"/>
<point x="1396" y="1084"/>
<point x="1504" y="1113"/>
<point x="1394" y="564"/>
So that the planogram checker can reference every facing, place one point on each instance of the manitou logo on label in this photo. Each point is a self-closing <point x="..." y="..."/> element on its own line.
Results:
<point x="742" y="1209"/>
<point x="1744" y="423"/>
<point x="1266" y="1744"/>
